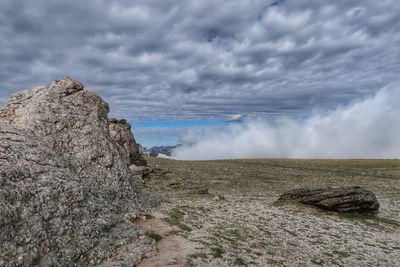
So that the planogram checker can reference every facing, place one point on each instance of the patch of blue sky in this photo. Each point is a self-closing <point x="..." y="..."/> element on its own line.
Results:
<point x="161" y="139"/>
<point x="177" y="123"/>
<point x="151" y="133"/>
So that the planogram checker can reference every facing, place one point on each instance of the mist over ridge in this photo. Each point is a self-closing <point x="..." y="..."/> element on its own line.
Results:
<point x="367" y="128"/>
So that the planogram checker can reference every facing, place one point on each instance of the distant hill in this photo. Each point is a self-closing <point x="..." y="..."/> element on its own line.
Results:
<point x="155" y="150"/>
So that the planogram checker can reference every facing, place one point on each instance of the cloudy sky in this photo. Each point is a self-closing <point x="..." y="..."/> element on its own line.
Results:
<point x="165" y="64"/>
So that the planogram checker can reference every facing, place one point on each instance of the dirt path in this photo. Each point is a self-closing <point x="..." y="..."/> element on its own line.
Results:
<point x="172" y="249"/>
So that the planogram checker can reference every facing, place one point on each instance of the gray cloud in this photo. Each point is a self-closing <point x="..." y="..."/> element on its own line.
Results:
<point x="367" y="128"/>
<point x="204" y="59"/>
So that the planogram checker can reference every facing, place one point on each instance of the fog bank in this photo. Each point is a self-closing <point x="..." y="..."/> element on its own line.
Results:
<point x="368" y="128"/>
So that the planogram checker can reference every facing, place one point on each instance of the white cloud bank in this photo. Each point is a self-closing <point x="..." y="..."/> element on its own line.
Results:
<point x="368" y="128"/>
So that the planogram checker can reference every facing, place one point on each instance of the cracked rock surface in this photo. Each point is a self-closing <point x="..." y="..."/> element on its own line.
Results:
<point x="120" y="131"/>
<point x="345" y="199"/>
<point x="65" y="184"/>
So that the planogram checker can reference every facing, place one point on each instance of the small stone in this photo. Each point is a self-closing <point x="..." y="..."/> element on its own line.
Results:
<point x="173" y="184"/>
<point x="172" y="261"/>
<point x="140" y="170"/>
<point x="318" y="261"/>
<point x="202" y="190"/>
<point x="218" y="198"/>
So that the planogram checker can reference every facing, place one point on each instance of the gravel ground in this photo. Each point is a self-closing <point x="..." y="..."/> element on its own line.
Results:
<point x="224" y="213"/>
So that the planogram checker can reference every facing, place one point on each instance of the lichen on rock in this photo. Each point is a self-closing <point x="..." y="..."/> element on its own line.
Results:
<point x="344" y="199"/>
<point x="120" y="131"/>
<point x="65" y="183"/>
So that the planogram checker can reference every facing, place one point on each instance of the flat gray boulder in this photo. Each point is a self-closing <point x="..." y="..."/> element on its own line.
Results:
<point x="343" y="199"/>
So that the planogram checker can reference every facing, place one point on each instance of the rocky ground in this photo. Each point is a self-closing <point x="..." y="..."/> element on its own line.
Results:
<point x="224" y="213"/>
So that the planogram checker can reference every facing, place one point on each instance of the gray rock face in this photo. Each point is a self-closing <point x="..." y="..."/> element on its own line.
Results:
<point x="65" y="184"/>
<point x="345" y="199"/>
<point x="120" y="131"/>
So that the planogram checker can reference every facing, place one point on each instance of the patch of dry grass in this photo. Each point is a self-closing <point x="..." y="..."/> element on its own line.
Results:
<point x="238" y="222"/>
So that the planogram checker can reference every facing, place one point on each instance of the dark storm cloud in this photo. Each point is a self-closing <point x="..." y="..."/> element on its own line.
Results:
<point x="193" y="59"/>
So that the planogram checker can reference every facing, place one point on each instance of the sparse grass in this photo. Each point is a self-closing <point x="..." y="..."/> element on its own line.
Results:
<point x="176" y="218"/>
<point x="201" y="241"/>
<point x="198" y="255"/>
<point x="234" y="234"/>
<point x="174" y="232"/>
<point x="262" y="244"/>
<point x="250" y="228"/>
<point x="272" y="262"/>
<point x="153" y="235"/>
<point x="240" y="262"/>
<point x="217" y="251"/>
<point x="231" y="235"/>
<point x="189" y="262"/>
<point x="343" y="254"/>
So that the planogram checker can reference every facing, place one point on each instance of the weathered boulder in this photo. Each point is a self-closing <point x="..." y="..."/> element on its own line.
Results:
<point x="349" y="198"/>
<point x="120" y="131"/>
<point x="65" y="184"/>
<point x="143" y="171"/>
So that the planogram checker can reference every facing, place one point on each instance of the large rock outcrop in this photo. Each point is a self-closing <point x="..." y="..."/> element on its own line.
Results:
<point x="344" y="199"/>
<point x="65" y="184"/>
<point x="120" y="131"/>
